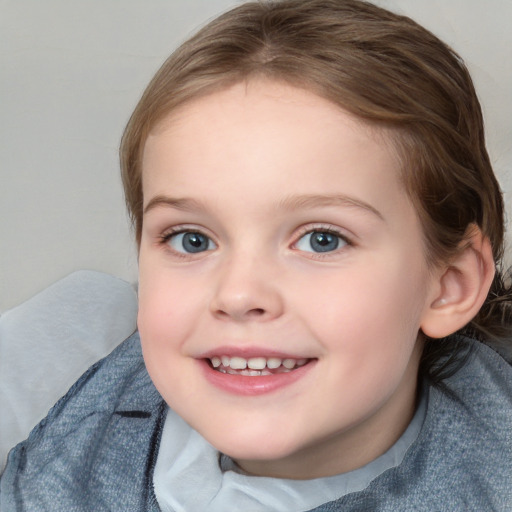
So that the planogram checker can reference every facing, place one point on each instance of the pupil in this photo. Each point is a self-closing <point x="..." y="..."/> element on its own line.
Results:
<point x="195" y="242"/>
<point x="324" y="242"/>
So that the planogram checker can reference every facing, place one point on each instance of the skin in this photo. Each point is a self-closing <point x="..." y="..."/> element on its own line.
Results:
<point x="255" y="168"/>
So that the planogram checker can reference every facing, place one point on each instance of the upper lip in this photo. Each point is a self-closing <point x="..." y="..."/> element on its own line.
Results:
<point x="249" y="352"/>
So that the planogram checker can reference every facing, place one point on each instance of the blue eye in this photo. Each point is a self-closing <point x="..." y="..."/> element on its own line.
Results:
<point x="320" y="241"/>
<point x="190" y="242"/>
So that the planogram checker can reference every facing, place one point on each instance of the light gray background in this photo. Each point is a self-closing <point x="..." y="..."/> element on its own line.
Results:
<point x="72" y="71"/>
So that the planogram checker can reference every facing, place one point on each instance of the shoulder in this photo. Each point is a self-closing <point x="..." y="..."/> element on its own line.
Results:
<point x="117" y="380"/>
<point x="464" y="451"/>
<point x="476" y="406"/>
<point x="107" y="421"/>
<point x="480" y="392"/>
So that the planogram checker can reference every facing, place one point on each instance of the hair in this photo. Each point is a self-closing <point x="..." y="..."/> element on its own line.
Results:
<point x="383" y="68"/>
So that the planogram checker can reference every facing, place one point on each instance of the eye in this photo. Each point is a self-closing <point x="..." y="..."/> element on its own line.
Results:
<point x="320" y="241"/>
<point x="190" y="242"/>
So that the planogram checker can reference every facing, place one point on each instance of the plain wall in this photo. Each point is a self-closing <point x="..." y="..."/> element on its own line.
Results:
<point x="71" y="73"/>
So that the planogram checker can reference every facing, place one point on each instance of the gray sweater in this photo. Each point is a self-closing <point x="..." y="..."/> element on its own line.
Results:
<point x="97" y="448"/>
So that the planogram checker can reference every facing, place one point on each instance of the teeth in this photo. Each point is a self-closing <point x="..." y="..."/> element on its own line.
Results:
<point x="289" y="363"/>
<point x="255" y="373"/>
<point x="257" y="363"/>
<point x="238" y="363"/>
<point x="273" y="362"/>
<point x="254" y="365"/>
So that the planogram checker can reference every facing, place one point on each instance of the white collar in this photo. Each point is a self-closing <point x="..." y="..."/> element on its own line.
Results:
<point x="188" y="475"/>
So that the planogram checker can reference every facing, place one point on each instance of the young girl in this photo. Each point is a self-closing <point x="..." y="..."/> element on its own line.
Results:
<point x="320" y="235"/>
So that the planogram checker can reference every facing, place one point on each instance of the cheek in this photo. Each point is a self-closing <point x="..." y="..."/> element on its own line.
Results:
<point x="366" y="308"/>
<point x="154" y="308"/>
<point x="160" y="308"/>
<point x="164" y="320"/>
<point x="170" y="312"/>
<point x="371" y="331"/>
<point x="162" y="297"/>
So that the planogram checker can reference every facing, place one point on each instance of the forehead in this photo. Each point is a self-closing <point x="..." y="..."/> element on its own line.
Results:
<point x="297" y="101"/>
<point x="253" y="101"/>
<point x="285" y="135"/>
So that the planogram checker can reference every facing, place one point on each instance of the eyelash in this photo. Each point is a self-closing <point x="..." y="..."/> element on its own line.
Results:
<point x="164" y="238"/>
<point x="167" y="235"/>
<point x="323" y="228"/>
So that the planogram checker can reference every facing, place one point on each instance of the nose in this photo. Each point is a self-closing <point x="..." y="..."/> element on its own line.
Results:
<point x="247" y="290"/>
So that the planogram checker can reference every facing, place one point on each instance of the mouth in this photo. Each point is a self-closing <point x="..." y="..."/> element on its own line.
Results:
<point x="254" y="375"/>
<point x="255" y="366"/>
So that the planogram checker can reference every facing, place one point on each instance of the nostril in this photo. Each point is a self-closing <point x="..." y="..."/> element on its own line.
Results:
<point x="253" y="313"/>
<point x="256" y="312"/>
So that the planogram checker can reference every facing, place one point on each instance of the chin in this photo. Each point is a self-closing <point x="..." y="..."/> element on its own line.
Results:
<point x="261" y="447"/>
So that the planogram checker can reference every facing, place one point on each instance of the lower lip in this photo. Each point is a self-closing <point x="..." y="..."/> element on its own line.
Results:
<point x="253" y="386"/>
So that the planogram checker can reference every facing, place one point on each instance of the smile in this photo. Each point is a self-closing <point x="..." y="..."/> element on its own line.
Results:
<point x="255" y="366"/>
<point x="254" y="376"/>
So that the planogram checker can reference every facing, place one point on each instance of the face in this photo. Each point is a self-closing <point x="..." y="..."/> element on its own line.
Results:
<point x="283" y="280"/>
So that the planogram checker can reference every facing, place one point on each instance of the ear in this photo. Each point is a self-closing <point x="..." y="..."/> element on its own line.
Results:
<point x="461" y="288"/>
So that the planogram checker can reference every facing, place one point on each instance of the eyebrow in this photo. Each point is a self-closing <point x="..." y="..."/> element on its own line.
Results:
<point x="289" y="203"/>
<point x="312" y="201"/>
<point x="185" y="203"/>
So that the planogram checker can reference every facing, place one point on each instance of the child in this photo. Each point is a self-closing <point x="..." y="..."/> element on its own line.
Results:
<point x="320" y="235"/>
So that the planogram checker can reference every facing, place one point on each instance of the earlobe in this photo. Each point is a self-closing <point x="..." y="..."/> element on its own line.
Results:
<point x="462" y="287"/>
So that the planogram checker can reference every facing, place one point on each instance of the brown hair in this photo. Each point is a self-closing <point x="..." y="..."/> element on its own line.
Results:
<point x="380" y="66"/>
